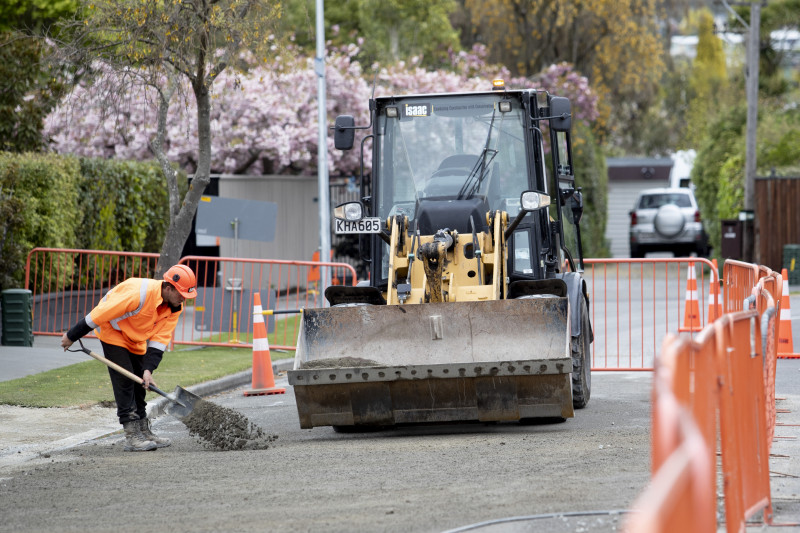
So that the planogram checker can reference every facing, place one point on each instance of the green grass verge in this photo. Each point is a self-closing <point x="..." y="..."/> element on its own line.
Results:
<point x="88" y="383"/>
<point x="284" y="334"/>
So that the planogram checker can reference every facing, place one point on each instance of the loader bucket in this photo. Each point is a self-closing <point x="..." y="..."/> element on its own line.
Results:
<point x="379" y="365"/>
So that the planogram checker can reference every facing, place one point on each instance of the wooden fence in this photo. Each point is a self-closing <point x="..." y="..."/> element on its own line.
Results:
<point x="777" y="218"/>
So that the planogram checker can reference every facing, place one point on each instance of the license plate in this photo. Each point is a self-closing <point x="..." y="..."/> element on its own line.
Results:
<point x="365" y="225"/>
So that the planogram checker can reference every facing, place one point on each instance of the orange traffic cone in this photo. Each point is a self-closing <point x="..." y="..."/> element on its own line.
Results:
<point x="692" y="321"/>
<point x="785" y="341"/>
<point x="263" y="377"/>
<point x="714" y="297"/>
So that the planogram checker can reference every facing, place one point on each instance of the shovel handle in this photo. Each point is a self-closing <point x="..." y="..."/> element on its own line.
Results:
<point x="124" y="372"/>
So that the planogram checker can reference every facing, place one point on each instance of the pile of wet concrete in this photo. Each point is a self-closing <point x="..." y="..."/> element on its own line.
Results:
<point x="224" y="429"/>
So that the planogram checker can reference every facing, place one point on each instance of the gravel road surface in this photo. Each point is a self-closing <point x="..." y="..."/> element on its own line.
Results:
<point x="487" y="478"/>
<point x="433" y="478"/>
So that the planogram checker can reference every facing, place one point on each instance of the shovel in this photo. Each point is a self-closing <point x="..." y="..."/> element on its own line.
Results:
<point x="181" y="401"/>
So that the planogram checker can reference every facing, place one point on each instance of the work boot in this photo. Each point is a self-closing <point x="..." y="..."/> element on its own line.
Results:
<point x="135" y="441"/>
<point x="161" y="442"/>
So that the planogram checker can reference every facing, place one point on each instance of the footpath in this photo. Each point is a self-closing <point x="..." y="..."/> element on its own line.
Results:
<point x="784" y="460"/>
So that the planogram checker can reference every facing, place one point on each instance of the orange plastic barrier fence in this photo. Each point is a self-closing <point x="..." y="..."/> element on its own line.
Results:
<point x="742" y="414"/>
<point x="66" y="283"/>
<point x="688" y="365"/>
<point x="750" y="286"/>
<point x="720" y="375"/>
<point x="738" y="281"/>
<point x="763" y="301"/>
<point x="681" y="495"/>
<point x="635" y="303"/>
<point x="221" y="314"/>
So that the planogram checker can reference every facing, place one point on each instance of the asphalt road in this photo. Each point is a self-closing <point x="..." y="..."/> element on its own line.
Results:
<point x="409" y="479"/>
<point x="475" y="477"/>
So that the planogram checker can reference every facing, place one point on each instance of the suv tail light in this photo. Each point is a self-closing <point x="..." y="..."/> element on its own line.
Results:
<point x="633" y="218"/>
<point x="697" y="216"/>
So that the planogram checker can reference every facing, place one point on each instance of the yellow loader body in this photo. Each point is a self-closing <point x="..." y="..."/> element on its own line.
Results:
<point x="466" y="360"/>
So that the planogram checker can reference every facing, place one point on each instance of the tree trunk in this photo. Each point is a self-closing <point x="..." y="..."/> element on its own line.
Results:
<point x="394" y="43"/>
<point x="180" y="222"/>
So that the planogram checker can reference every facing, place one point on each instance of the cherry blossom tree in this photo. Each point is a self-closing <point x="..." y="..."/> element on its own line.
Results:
<point x="140" y="52"/>
<point x="263" y="120"/>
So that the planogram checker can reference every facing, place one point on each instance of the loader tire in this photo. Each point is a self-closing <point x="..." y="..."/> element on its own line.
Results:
<point x="581" y="361"/>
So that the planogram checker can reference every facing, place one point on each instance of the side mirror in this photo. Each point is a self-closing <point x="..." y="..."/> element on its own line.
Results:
<point x="344" y="132"/>
<point x="560" y="107"/>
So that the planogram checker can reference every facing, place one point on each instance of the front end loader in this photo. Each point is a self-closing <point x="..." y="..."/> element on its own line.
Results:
<point x="475" y="308"/>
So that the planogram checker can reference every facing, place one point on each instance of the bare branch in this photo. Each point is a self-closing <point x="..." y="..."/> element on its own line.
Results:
<point x="242" y="168"/>
<point x="157" y="144"/>
<point x="163" y="45"/>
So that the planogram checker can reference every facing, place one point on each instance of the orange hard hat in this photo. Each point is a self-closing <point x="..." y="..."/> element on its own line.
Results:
<point x="183" y="279"/>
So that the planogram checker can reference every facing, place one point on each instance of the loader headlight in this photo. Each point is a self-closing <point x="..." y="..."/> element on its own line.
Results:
<point x="349" y="211"/>
<point x="531" y="200"/>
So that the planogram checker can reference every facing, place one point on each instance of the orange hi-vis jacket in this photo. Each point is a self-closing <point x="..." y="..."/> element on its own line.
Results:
<point x="129" y="315"/>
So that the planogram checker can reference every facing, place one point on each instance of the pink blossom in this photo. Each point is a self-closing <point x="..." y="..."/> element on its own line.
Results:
<point x="264" y="120"/>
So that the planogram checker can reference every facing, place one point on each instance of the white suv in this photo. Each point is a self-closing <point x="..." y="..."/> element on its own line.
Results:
<point x="667" y="220"/>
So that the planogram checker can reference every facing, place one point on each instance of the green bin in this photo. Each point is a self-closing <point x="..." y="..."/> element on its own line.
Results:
<point x="791" y="262"/>
<point x="17" y="318"/>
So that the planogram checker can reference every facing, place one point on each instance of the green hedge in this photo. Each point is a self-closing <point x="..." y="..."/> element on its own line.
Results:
<point x="592" y="176"/>
<point x="124" y="206"/>
<point x="64" y="202"/>
<point x="39" y="208"/>
<point x="719" y="168"/>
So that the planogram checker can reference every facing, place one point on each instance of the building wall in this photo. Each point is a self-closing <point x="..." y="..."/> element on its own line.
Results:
<point x="297" y="224"/>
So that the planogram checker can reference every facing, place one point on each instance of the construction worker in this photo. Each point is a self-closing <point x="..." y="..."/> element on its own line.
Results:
<point x="134" y="322"/>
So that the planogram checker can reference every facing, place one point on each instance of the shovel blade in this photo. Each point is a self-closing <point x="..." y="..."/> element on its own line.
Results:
<point x="181" y="402"/>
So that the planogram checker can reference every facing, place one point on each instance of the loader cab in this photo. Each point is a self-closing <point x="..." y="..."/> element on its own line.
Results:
<point x="446" y="160"/>
<point x="448" y="148"/>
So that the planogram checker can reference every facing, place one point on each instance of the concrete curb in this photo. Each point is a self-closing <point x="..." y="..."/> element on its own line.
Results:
<point x="158" y="407"/>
